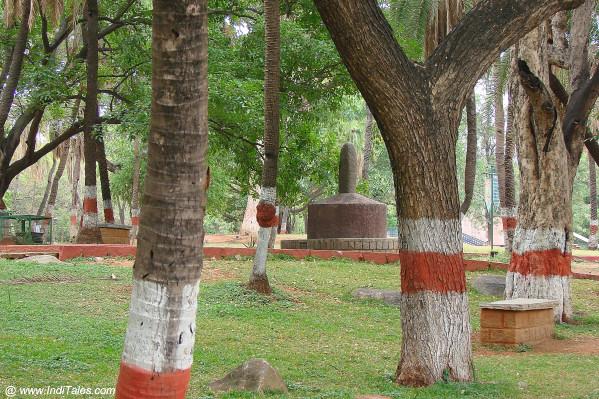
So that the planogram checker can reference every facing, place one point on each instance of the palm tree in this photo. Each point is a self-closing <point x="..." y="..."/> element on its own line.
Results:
<point x="135" y="192"/>
<point x="593" y="200"/>
<point x="158" y="350"/>
<point x="266" y="209"/>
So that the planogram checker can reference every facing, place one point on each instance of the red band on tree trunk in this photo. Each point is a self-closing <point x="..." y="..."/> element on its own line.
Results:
<point x="90" y="205"/>
<point x="137" y="383"/>
<point x="509" y="223"/>
<point x="552" y="262"/>
<point x="266" y="214"/>
<point x="594" y="229"/>
<point x="427" y="271"/>
<point x="73" y="219"/>
<point x="108" y="215"/>
<point x="135" y="220"/>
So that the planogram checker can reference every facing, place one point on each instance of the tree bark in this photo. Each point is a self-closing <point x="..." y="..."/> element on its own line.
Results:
<point x="76" y="174"/>
<point x="368" y="132"/>
<point x="135" y="192"/>
<point x="509" y="211"/>
<point x="104" y="181"/>
<point x="418" y="108"/>
<point x="499" y="134"/>
<point x="593" y="200"/>
<point x="266" y="210"/>
<point x="471" y="150"/>
<point x="40" y="209"/>
<point x="5" y="67"/>
<point x="89" y="233"/>
<point x="158" y="350"/>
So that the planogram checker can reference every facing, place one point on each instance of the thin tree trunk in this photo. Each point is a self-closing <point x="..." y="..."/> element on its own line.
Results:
<point x="158" y="350"/>
<point x="499" y="134"/>
<point x="89" y="232"/>
<point x="40" y="209"/>
<point x="8" y="92"/>
<point x="5" y="67"/>
<point x="56" y="180"/>
<point x="266" y="209"/>
<point x="368" y="131"/>
<point x="593" y="200"/>
<point x="135" y="192"/>
<point x="121" y="207"/>
<point x="471" y="150"/>
<point x="104" y="181"/>
<point x="75" y="205"/>
<point x="508" y="210"/>
<point x="284" y="218"/>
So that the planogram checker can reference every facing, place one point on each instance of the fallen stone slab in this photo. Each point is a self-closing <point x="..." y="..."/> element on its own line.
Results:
<point x="490" y="285"/>
<point x="255" y="375"/>
<point x="41" y="259"/>
<point x="390" y="297"/>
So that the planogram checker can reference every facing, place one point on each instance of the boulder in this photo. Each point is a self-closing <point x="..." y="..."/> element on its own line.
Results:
<point x="490" y="285"/>
<point x="41" y="259"/>
<point x="255" y="375"/>
<point x="390" y="297"/>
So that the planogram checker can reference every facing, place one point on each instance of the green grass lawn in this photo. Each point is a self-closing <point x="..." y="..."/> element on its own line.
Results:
<point x="324" y="343"/>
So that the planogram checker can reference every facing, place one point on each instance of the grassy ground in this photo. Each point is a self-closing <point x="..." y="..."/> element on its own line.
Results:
<point x="324" y="343"/>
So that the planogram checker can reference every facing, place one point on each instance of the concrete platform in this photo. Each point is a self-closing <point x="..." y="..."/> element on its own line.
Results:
<point x="517" y="321"/>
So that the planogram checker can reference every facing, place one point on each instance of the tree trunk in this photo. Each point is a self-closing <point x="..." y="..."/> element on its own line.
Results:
<point x="135" y="192"/>
<point x="471" y="150"/>
<point x="417" y="108"/>
<point x="541" y="260"/>
<point x="593" y="200"/>
<point x="40" y="209"/>
<point x="284" y="218"/>
<point x="368" y="132"/>
<point x="8" y="92"/>
<point x="508" y="210"/>
<point x="158" y="350"/>
<point x="5" y="67"/>
<point x="64" y="154"/>
<point x="499" y="133"/>
<point x="89" y="233"/>
<point x="266" y="209"/>
<point x="104" y="181"/>
<point x="121" y="207"/>
<point x="76" y="174"/>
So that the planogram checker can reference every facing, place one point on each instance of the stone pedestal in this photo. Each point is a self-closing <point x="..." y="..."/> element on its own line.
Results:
<point x="517" y="321"/>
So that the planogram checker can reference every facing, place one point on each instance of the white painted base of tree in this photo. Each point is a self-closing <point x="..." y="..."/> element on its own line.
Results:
<point x="545" y="287"/>
<point x="161" y="332"/>
<point x="259" y="268"/>
<point x="436" y="338"/>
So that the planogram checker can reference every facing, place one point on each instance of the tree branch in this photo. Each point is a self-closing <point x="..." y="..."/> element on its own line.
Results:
<point x="489" y="28"/>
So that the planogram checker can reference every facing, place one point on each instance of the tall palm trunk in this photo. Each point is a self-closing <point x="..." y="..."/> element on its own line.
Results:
<point x="368" y="131"/>
<point x="508" y="210"/>
<point x="266" y="209"/>
<point x="104" y="181"/>
<point x="89" y="232"/>
<point x="499" y="133"/>
<point x="158" y="350"/>
<point x="76" y="174"/>
<point x="593" y="200"/>
<point x="135" y="192"/>
<point x="471" y="149"/>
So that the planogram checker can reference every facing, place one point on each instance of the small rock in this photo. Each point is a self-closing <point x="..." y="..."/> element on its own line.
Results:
<point x="99" y="259"/>
<point x="522" y="385"/>
<point x="41" y="259"/>
<point x="490" y="285"/>
<point x="390" y="297"/>
<point x="255" y="375"/>
<point x="237" y="257"/>
<point x="112" y="277"/>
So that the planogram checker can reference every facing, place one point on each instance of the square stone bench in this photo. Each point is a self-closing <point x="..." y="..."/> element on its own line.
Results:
<point x="517" y="321"/>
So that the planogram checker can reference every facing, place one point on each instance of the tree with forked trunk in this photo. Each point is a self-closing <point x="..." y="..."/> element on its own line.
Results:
<point x="418" y="109"/>
<point x="552" y="134"/>
<point x="158" y="350"/>
<point x="266" y="211"/>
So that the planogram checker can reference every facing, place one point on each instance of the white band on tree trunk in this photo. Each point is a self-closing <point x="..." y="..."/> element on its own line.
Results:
<point x="268" y="194"/>
<point x="543" y="287"/>
<point x="89" y="192"/>
<point x="431" y="235"/>
<point x="527" y="240"/>
<point x="161" y="331"/>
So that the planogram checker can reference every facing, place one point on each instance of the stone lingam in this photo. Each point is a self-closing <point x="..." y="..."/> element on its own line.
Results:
<point x="347" y="221"/>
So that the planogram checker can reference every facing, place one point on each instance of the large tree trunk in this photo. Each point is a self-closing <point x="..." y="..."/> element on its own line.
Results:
<point x="104" y="181"/>
<point x="508" y="210"/>
<point x="135" y="192"/>
<point x="368" y="132"/>
<point x="89" y="233"/>
<point x="471" y="150"/>
<point x="593" y="200"/>
<point x="541" y="260"/>
<point x="14" y="73"/>
<point x="266" y="209"/>
<point x="158" y="350"/>
<point x="76" y="174"/>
